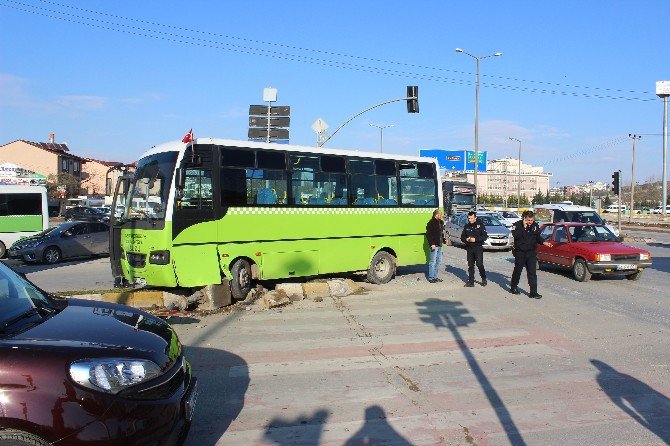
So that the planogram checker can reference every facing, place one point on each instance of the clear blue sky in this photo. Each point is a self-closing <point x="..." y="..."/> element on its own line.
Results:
<point x="113" y="78"/>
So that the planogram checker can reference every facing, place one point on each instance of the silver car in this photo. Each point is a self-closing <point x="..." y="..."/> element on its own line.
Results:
<point x="500" y="238"/>
<point x="70" y="239"/>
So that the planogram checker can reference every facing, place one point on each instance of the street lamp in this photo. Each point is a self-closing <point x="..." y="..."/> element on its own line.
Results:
<point x="381" y="134"/>
<point x="590" y="193"/>
<point x="518" y="186"/>
<point x="632" y="177"/>
<point x="477" y="58"/>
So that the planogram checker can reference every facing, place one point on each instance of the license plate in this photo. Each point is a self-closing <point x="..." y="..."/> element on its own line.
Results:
<point x="190" y="400"/>
<point x="625" y="267"/>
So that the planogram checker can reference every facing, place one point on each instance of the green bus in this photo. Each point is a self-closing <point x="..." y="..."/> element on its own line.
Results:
<point x="217" y="211"/>
<point x="23" y="212"/>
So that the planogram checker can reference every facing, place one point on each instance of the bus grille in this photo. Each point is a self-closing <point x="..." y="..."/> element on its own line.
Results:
<point x="136" y="260"/>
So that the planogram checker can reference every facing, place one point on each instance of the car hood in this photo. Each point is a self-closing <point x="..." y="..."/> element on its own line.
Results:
<point x="497" y="230"/>
<point x="32" y="238"/>
<point x="609" y="248"/>
<point x="93" y="329"/>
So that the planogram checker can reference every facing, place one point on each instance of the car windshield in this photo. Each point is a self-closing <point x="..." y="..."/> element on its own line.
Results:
<point x="489" y="220"/>
<point x="149" y="190"/>
<point x="584" y="217"/>
<point x="17" y="297"/>
<point x="508" y="214"/>
<point x="591" y="234"/>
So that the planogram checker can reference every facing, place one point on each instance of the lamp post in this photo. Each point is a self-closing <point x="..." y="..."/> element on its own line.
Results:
<point x="590" y="193"/>
<point x="381" y="134"/>
<point x="632" y="177"/>
<point x="518" y="186"/>
<point x="477" y="58"/>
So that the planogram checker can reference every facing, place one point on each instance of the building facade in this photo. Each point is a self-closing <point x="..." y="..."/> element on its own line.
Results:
<point x="502" y="179"/>
<point x="44" y="158"/>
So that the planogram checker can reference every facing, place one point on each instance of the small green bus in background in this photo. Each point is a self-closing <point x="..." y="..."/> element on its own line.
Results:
<point x="23" y="212"/>
<point x="216" y="211"/>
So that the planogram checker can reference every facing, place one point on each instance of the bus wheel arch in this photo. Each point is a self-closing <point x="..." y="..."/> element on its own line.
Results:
<point x="382" y="266"/>
<point x="242" y="272"/>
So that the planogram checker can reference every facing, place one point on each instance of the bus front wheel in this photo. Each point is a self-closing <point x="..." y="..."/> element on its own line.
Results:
<point x="241" y="283"/>
<point x="382" y="268"/>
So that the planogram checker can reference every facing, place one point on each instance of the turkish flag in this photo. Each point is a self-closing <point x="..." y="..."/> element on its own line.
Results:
<point x="189" y="137"/>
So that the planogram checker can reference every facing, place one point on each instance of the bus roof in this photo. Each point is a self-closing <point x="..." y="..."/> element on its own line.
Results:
<point x="178" y="146"/>
<point x="17" y="189"/>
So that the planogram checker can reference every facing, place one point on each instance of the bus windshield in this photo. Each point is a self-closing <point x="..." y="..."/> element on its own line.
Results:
<point x="464" y="199"/>
<point x="148" y="195"/>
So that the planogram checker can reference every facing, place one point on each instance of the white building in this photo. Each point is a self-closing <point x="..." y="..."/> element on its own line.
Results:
<point x="502" y="177"/>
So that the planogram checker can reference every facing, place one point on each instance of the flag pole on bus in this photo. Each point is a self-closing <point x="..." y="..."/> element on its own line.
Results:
<point x="189" y="138"/>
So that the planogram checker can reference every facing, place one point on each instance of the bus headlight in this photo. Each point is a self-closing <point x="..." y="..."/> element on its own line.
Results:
<point x="159" y="257"/>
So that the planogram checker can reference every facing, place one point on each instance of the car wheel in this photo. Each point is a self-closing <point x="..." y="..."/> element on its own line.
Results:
<point x="52" y="255"/>
<point x="634" y="276"/>
<point x="580" y="271"/>
<point x="12" y="437"/>
<point x="241" y="284"/>
<point x="3" y="250"/>
<point x="539" y="265"/>
<point x="382" y="268"/>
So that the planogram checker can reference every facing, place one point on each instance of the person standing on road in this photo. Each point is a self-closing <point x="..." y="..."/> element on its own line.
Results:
<point x="473" y="235"/>
<point x="435" y="236"/>
<point x="526" y="233"/>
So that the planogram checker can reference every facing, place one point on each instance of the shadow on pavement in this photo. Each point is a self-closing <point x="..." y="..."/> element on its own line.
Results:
<point x="452" y="315"/>
<point x="307" y="430"/>
<point x="661" y="264"/>
<point x="642" y="403"/>
<point x="28" y="268"/>
<point x="223" y="379"/>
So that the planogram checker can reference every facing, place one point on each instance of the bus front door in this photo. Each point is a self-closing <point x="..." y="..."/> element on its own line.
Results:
<point x="115" y="223"/>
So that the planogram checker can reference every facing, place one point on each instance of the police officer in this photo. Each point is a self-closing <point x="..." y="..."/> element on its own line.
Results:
<point x="473" y="235"/>
<point x="526" y="238"/>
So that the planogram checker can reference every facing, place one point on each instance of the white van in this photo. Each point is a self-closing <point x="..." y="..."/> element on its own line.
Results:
<point x="659" y="210"/>
<point x="24" y="211"/>
<point x="558" y="212"/>
<point x="615" y="208"/>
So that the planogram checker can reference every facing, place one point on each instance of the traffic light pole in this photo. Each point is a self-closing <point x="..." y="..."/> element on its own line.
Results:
<point x="618" y="192"/>
<point x="409" y="98"/>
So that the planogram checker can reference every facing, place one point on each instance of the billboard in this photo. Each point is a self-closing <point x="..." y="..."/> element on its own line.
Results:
<point x="13" y="174"/>
<point x="456" y="160"/>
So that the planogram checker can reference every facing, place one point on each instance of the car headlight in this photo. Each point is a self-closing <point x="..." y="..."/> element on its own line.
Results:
<point x="28" y="245"/>
<point x="645" y="257"/>
<point x="604" y="257"/>
<point x="112" y="375"/>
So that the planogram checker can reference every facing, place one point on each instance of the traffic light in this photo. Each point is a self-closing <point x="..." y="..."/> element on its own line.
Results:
<point x="615" y="182"/>
<point x="412" y="99"/>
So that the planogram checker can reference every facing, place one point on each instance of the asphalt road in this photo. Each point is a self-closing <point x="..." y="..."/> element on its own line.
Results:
<point x="413" y="363"/>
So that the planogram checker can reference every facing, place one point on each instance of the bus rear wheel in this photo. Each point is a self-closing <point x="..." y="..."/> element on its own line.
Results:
<point x="241" y="284"/>
<point x="382" y="268"/>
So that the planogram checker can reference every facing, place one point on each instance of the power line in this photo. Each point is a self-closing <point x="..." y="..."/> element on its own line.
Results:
<point x="331" y="53"/>
<point x="195" y="41"/>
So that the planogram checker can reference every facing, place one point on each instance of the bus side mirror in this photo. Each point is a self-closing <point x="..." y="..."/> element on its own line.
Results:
<point x="180" y="181"/>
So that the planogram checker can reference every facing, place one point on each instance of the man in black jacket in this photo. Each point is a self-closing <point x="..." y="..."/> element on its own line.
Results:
<point x="435" y="236"/>
<point x="526" y="238"/>
<point x="473" y="235"/>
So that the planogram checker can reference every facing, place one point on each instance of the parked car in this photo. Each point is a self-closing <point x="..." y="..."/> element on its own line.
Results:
<point x="82" y="372"/>
<point x="500" y="238"/>
<point x="507" y="218"/>
<point x="614" y="208"/>
<point x="70" y="239"/>
<point x="587" y="248"/>
<point x="81" y="213"/>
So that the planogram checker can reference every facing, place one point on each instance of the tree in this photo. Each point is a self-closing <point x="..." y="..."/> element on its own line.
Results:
<point x="62" y="185"/>
<point x="607" y="201"/>
<point x="539" y="198"/>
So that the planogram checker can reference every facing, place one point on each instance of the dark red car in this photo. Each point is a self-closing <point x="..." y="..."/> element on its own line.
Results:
<point x="588" y="248"/>
<point x="78" y="372"/>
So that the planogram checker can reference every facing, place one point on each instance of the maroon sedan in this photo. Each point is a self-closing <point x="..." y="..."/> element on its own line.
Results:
<point x="588" y="248"/>
<point x="75" y="372"/>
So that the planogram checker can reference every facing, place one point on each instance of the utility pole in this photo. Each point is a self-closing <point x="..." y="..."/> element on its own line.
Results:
<point x="518" y="188"/>
<point x="632" y="177"/>
<point x="663" y="91"/>
<point x="590" y="193"/>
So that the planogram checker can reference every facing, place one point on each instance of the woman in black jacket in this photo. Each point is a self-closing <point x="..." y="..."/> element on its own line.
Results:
<point x="435" y="236"/>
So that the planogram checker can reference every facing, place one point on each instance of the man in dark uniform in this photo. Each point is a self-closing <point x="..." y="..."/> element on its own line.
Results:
<point x="473" y="235"/>
<point x="526" y="238"/>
